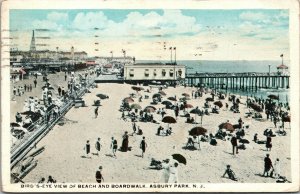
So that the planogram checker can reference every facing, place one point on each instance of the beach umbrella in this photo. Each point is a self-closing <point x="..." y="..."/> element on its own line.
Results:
<point x="128" y="100"/>
<point x="185" y="95"/>
<point x="135" y="106"/>
<point x="274" y="97"/>
<point x="196" y="111"/>
<point x="188" y="106"/>
<point x="167" y="103"/>
<point x="196" y="131"/>
<point x="28" y="113"/>
<point x="227" y="126"/>
<point x="218" y="103"/>
<point x="102" y="96"/>
<point x="244" y="141"/>
<point x="14" y="124"/>
<point x="149" y="109"/>
<point x="179" y="158"/>
<point x="168" y="119"/>
<point x="97" y="103"/>
<point x="209" y="99"/>
<point x="157" y="95"/>
<point x="256" y="107"/>
<point x="136" y="88"/>
<point x="162" y="93"/>
<point x="286" y="119"/>
<point x="172" y="98"/>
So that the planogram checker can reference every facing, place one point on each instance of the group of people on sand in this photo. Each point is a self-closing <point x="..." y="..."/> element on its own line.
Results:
<point x="114" y="146"/>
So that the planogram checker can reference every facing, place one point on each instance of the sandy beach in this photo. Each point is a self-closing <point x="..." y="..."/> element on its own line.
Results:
<point x="64" y="145"/>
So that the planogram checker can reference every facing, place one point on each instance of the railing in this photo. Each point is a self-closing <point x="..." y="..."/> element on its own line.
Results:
<point x="235" y="74"/>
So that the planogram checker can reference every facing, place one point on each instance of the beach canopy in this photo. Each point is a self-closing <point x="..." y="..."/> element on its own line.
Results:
<point x="179" y="158"/>
<point x="196" y="111"/>
<point x="169" y="119"/>
<point x="227" y="126"/>
<point x="15" y="125"/>
<point x="128" y="100"/>
<point x="136" y="88"/>
<point x="188" y="106"/>
<point x="172" y="98"/>
<point x="162" y="93"/>
<point x="157" y="95"/>
<point x="167" y="103"/>
<point x="218" y="103"/>
<point x="149" y="109"/>
<point x="135" y="106"/>
<point x="256" y="107"/>
<point x="196" y="131"/>
<point x="272" y="96"/>
<point x="185" y="95"/>
<point x="209" y="99"/>
<point x="102" y="96"/>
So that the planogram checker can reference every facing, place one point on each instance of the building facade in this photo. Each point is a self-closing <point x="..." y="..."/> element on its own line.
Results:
<point x="154" y="71"/>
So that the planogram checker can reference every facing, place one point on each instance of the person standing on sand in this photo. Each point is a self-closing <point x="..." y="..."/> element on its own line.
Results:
<point x="277" y="168"/>
<point x="99" y="177"/>
<point x="143" y="146"/>
<point x="166" y="170"/>
<point x="234" y="144"/>
<point x="173" y="178"/>
<point x="96" y="111"/>
<point x="134" y="128"/>
<point x="269" y="143"/>
<point x="34" y="82"/>
<point x="87" y="149"/>
<point x="30" y="87"/>
<point x="59" y="90"/>
<point x="125" y="142"/>
<point x="114" y="146"/>
<point x="268" y="165"/>
<point x="230" y="173"/>
<point x="98" y="146"/>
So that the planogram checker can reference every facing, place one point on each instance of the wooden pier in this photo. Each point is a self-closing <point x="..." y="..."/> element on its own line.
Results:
<point x="238" y="81"/>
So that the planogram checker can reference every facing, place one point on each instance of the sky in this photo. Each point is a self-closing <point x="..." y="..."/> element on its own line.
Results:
<point x="197" y="34"/>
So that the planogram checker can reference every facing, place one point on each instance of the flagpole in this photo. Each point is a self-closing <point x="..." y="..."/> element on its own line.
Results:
<point x="171" y="53"/>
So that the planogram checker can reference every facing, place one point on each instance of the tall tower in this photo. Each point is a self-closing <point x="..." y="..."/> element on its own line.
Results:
<point x="32" y="44"/>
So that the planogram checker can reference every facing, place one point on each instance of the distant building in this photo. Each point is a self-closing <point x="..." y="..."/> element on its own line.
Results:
<point x="154" y="71"/>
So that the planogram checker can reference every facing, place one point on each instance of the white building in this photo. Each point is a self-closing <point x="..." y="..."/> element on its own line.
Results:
<point x="154" y="71"/>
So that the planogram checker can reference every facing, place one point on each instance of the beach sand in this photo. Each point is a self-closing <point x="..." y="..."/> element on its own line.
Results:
<point x="62" y="158"/>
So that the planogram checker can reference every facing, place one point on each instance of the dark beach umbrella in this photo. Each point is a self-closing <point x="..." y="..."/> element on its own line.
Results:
<point x="14" y="124"/>
<point x="185" y="95"/>
<point x="128" y="100"/>
<point x="172" y="98"/>
<point x="179" y="158"/>
<point x="184" y="99"/>
<point x="286" y="119"/>
<point x="218" y="103"/>
<point x="97" y="103"/>
<point x="162" y="93"/>
<point x="149" y="109"/>
<point x="102" y="96"/>
<point x="256" y="107"/>
<point x="196" y="111"/>
<point x="196" y="131"/>
<point x="136" y="88"/>
<point x="157" y="95"/>
<point x="135" y="106"/>
<point x="244" y="141"/>
<point x="227" y="126"/>
<point x="274" y="97"/>
<point x="167" y="103"/>
<point x="28" y="113"/>
<point x="169" y="120"/>
<point x="188" y="106"/>
<point x="49" y="87"/>
<point x="209" y="99"/>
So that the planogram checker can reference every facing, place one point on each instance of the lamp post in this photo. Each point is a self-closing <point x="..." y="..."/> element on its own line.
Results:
<point x="269" y="69"/>
<point x="171" y="52"/>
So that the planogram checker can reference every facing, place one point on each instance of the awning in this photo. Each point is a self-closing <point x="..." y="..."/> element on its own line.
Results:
<point x="282" y="66"/>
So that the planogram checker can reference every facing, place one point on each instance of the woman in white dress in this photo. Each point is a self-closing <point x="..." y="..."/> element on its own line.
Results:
<point x="173" y="178"/>
<point x="166" y="170"/>
<point x="277" y="168"/>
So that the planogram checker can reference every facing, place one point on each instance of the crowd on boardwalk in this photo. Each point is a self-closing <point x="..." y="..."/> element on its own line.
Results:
<point x="46" y="107"/>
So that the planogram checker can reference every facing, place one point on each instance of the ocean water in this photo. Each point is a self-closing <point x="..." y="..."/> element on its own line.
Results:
<point x="205" y="66"/>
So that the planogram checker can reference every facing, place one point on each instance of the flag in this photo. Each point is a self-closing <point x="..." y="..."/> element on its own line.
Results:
<point x="174" y="48"/>
<point x="281" y="55"/>
<point x="170" y="48"/>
